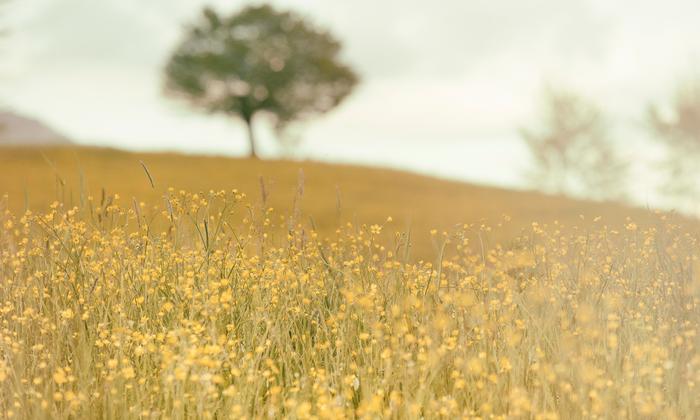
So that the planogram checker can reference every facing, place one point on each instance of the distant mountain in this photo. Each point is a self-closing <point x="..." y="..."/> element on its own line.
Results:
<point x="17" y="130"/>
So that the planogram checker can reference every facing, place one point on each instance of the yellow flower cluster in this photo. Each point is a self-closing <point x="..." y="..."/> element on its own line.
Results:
<point x="206" y="307"/>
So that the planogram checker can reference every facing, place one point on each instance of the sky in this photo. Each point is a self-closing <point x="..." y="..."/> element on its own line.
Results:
<point x="445" y="84"/>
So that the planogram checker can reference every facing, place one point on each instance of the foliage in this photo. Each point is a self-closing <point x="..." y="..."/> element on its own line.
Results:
<point x="196" y="309"/>
<point x="572" y="150"/>
<point x="259" y="60"/>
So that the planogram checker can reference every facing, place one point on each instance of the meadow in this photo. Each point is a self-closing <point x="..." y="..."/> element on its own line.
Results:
<point x="162" y="298"/>
<point x="327" y="195"/>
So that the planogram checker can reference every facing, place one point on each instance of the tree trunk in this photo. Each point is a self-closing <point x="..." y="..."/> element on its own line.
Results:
<point x="251" y="137"/>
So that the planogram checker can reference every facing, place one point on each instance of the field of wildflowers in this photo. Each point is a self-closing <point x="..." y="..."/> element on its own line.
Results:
<point x="208" y="307"/>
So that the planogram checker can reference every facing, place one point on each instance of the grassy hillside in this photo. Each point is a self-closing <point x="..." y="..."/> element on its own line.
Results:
<point x="34" y="177"/>
<point x="206" y="304"/>
<point x="105" y="316"/>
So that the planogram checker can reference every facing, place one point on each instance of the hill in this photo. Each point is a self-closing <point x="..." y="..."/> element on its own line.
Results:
<point x="201" y="308"/>
<point x="34" y="177"/>
<point x="18" y="130"/>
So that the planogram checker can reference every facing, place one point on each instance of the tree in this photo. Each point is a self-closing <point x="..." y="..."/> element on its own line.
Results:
<point x="572" y="150"/>
<point x="259" y="61"/>
<point x="678" y="129"/>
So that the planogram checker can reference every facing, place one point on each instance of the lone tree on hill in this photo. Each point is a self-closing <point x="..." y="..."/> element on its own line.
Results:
<point x="572" y="149"/>
<point x="259" y="61"/>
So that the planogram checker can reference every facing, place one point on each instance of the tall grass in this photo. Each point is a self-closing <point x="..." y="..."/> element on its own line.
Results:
<point x="35" y="177"/>
<point x="204" y="306"/>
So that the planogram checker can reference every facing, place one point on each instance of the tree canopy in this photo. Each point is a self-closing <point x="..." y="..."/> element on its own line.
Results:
<point x="259" y="60"/>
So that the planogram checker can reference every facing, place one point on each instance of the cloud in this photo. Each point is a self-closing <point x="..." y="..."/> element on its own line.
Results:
<point x="88" y="34"/>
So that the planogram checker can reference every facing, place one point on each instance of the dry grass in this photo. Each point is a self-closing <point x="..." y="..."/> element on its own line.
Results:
<point x="213" y="315"/>
<point x="213" y="305"/>
<point x="333" y="194"/>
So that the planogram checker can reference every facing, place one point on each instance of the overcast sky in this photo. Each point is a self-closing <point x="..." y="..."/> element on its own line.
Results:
<point x="445" y="83"/>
